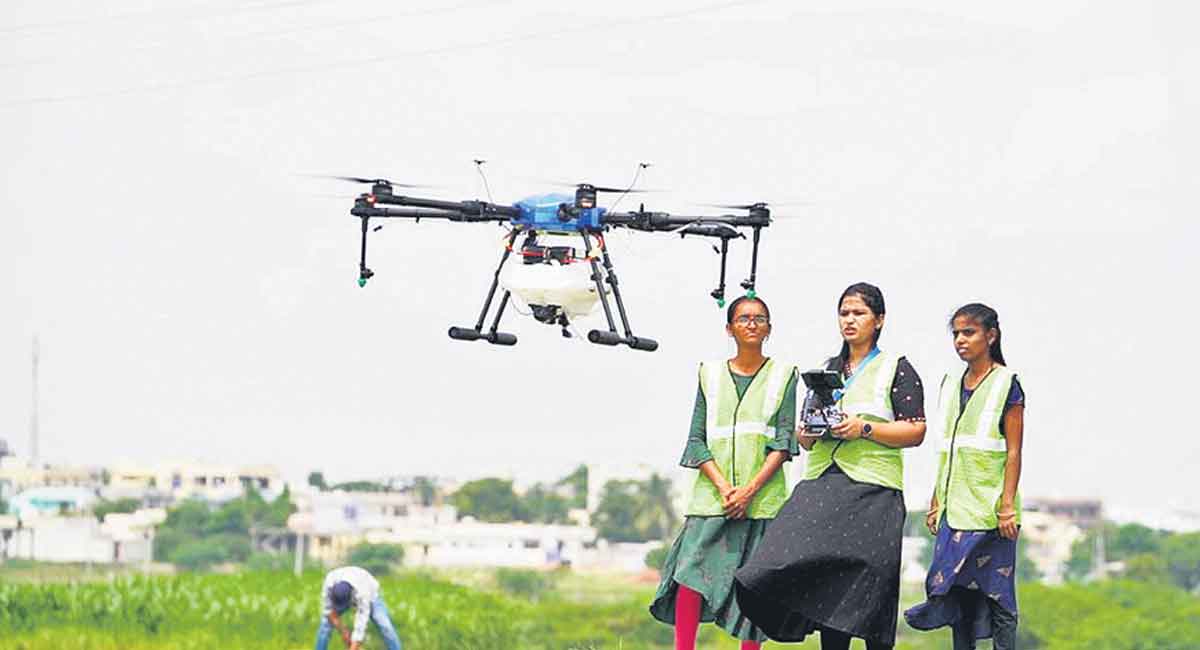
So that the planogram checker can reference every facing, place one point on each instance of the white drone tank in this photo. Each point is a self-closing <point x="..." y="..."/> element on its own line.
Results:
<point x="568" y="286"/>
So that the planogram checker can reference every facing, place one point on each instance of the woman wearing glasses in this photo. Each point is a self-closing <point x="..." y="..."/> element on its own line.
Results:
<point x="741" y="434"/>
<point x="975" y="512"/>
<point x="831" y="561"/>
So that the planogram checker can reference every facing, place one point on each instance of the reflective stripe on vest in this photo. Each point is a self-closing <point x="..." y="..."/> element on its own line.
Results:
<point x="737" y="433"/>
<point x="973" y="452"/>
<point x="866" y="461"/>
<point x="871" y="392"/>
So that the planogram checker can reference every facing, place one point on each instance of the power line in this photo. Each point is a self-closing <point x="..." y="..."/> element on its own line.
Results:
<point x="33" y="29"/>
<point x="254" y="36"/>
<point x="364" y="61"/>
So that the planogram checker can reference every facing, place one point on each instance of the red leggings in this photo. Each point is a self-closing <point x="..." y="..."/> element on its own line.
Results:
<point x="687" y="620"/>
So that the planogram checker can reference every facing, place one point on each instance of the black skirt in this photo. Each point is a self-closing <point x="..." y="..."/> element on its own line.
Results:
<point x="831" y="559"/>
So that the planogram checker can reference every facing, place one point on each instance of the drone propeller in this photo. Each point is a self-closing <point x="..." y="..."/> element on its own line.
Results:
<point x="734" y="206"/>
<point x="603" y="188"/>
<point x="751" y="206"/>
<point x="371" y="181"/>
<point x="339" y="197"/>
<point x="617" y="190"/>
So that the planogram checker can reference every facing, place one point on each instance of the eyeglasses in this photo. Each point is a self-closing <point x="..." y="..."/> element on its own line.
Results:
<point x="744" y="320"/>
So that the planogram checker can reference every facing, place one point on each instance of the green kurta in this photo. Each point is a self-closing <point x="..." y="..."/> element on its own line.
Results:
<point x="709" y="549"/>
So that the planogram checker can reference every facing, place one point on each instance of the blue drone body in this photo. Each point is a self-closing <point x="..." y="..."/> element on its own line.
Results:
<point x="556" y="213"/>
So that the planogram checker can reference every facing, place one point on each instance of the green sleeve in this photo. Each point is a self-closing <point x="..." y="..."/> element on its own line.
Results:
<point x="696" y="452"/>
<point x="785" y="423"/>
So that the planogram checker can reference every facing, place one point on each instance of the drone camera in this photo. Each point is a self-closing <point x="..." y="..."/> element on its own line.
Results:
<point x="548" y="314"/>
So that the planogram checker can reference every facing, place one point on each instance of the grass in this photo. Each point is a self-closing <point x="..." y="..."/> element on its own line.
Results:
<point x="80" y="607"/>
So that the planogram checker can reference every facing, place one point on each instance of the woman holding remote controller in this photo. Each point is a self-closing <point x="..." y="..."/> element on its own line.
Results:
<point x="741" y="434"/>
<point x="831" y="560"/>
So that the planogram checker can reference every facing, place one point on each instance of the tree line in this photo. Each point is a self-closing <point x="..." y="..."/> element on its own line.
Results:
<point x="1148" y="555"/>
<point x="196" y="535"/>
<point x="627" y="510"/>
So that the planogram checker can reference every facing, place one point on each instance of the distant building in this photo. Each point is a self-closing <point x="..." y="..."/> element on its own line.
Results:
<point x="1049" y="538"/>
<point x="17" y="474"/>
<point x="179" y="481"/>
<point x="334" y="522"/>
<point x="1085" y="513"/>
<point x="48" y="501"/>
<point x="126" y="539"/>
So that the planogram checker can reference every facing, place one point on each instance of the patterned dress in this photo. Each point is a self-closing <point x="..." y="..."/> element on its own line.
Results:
<point x="709" y="549"/>
<point x="969" y="565"/>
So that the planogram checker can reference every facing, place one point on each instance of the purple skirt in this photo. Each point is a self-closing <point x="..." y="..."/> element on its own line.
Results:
<point x="967" y="564"/>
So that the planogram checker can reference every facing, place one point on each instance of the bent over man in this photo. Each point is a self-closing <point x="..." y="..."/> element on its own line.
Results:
<point x="351" y="586"/>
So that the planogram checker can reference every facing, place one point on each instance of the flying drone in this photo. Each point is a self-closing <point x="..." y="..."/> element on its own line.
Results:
<point x="556" y="280"/>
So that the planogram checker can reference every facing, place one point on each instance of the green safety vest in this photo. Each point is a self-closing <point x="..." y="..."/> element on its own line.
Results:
<point x="737" y="433"/>
<point x="866" y="461"/>
<point x="973" y="453"/>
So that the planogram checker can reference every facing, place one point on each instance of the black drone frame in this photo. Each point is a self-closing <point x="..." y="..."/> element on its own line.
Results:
<point x="372" y="205"/>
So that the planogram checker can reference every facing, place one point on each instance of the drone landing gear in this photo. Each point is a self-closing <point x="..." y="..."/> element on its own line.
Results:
<point x="612" y="337"/>
<point x="491" y="336"/>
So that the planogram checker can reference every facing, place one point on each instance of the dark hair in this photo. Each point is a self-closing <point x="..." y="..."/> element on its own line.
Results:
<point x="734" y="305"/>
<point x="989" y="319"/>
<point x="873" y="297"/>
<point x="341" y="593"/>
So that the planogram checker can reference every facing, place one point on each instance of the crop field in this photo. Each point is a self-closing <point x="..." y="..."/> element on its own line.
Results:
<point x="475" y="611"/>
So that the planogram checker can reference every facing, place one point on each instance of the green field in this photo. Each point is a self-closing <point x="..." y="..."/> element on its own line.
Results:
<point x="472" y="609"/>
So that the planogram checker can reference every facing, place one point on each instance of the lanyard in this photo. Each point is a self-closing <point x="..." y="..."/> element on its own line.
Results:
<point x="837" y="394"/>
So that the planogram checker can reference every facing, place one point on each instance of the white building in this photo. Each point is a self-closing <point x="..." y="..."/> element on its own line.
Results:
<point x="18" y="474"/>
<point x="52" y="500"/>
<point x="334" y="522"/>
<point x="128" y="539"/>
<point x="472" y="543"/>
<point x="1048" y="540"/>
<point x="179" y="480"/>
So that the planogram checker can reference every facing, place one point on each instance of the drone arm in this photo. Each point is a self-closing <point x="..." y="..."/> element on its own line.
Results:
<point x="470" y="210"/>
<point x="666" y="222"/>
<point x="405" y="213"/>
<point x="647" y="221"/>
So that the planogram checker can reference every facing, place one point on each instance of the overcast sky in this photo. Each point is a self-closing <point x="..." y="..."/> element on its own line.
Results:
<point x="195" y="296"/>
